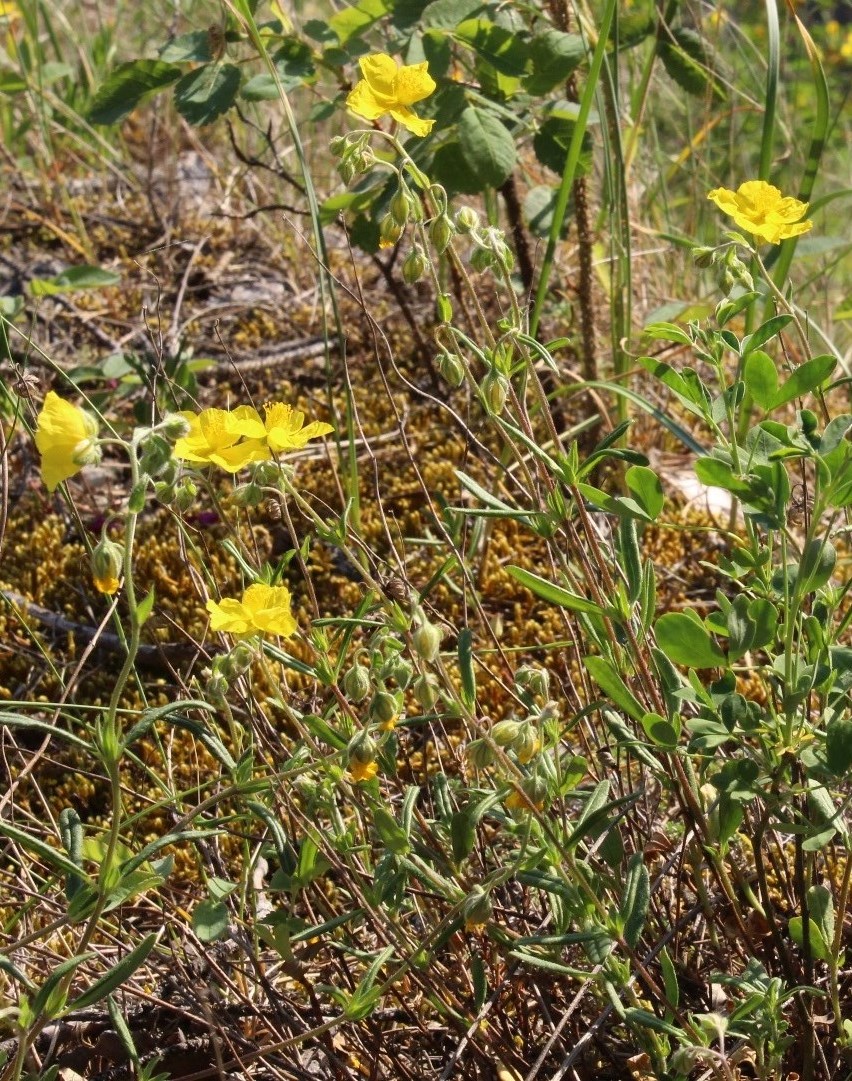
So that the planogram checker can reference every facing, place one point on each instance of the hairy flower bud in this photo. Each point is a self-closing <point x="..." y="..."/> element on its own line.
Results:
<point x="528" y="743"/>
<point x="481" y="259"/>
<point x="184" y="494"/>
<point x="137" y="498"/>
<point x="107" y="562"/>
<point x="389" y="232"/>
<point x="414" y="266"/>
<point x="400" y="207"/>
<point x="362" y="748"/>
<point x="174" y="426"/>
<point x="495" y="390"/>
<point x="356" y="683"/>
<point x="441" y="233"/>
<point x="467" y="220"/>
<point x="248" y="495"/>
<point x="426" y="640"/>
<point x="504" y="733"/>
<point x="451" y="367"/>
<point x="476" y="909"/>
<point x="479" y="754"/>
<point x="533" y="679"/>
<point x="384" y="708"/>
<point x="425" y="692"/>
<point x="156" y="454"/>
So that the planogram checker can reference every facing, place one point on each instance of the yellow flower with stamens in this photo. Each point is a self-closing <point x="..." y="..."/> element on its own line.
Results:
<point x="388" y="87"/>
<point x="216" y="435"/>
<point x="283" y="427"/>
<point x="66" y="438"/>
<point x="262" y="610"/>
<point x="761" y="209"/>
<point x="363" y="771"/>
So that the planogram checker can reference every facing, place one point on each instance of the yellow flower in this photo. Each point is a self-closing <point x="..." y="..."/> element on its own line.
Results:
<point x="214" y="436"/>
<point x="66" y="438"/>
<point x="363" y="771"/>
<point x="761" y="209"/>
<point x="107" y="585"/>
<point x="389" y="88"/>
<point x="262" y="610"/>
<point x="284" y="428"/>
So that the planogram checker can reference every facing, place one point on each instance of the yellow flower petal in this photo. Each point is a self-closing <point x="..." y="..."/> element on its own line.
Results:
<point x="761" y="209"/>
<point x="390" y="88"/>
<point x="269" y="609"/>
<point x="363" y="771"/>
<point x="64" y="436"/>
<point x="107" y="585"/>
<point x="229" y="615"/>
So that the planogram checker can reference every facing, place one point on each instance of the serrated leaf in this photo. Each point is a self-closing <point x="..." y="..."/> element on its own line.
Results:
<point x="554" y="55"/>
<point x="205" y="94"/>
<point x="685" y="58"/>
<point x="686" y="641"/>
<point x="128" y="86"/>
<point x="486" y="146"/>
<point x="192" y="46"/>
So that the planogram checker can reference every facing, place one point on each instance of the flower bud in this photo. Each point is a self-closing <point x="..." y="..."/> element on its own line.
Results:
<point x="441" y="233"/>
<point x="532" y="679"/>
<point x="384" y="708"/>
<point x="451" y="367"/>
<point x="389" y="232"/>
<point x="232" y="665"/>
<point x="533" y="791"/>
<point x="107" y="563"/>
<point x="156" y="453"/>
<point x="174" y="426"/>
<point x="528" y="743"/>
<point x="476" y="909"/>
<point x="414" y="266"/>
<point x="425" y="692"/>
<point x="338" y="146"/>
<point x="426" y="640"/>
<point x="481" y="259"/>
<point x="356" y="683"/>
<point x="467" y="220"/>
<point x="398" y="669"/>
<point x="362" y="752"/>
<point x="703" y="257"/>
<point x="347" y="171"/>
<point x="400" y="207"/>
<point x="495" y="390"/>
<point x="248" y="495"/>
<point x="164" y="492"/>
<point x="479" y="754"/>
<point x="185" y="494"/>
<point x="504" y="733"/>
<point x="216" y="687"/>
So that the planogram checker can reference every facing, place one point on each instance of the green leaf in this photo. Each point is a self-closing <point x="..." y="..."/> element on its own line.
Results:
<point x="646" y="489"/>
<point x="687" y="641"/>
<point x="204" y="94"/>
<point x="816" y="566"/>
<point x="486" y="146"/>
<point x="462" y="834"/>
<point x="634" y="904"/>
<point x="805" y="379"/>
<point x="553" y="56"/>
<point x="500" y="47"/>
<point x="549" y="591"/>
<point x="614" y="687"/>
<point x="838" y="745"/>
<point x="354" y="20"/>
<point x="660" y="731"/>
<point x="117" y="976"/>
<point x="765" y="332"/>
<point x="819" y="948"/>
<point x="73" y="280"/>
<point x="192" y="46"/>
<point x="468" y="676"/>
<point x="128" y="86"/>
<point x="391" y="834"/>
<point x="145" y="607"/>
<point x="761" y="378"/>
<point x="685" y="58"/>
<point x="718" y="474"/>
<point x="210" y="920"/>
<point x="553" y="138"/>
<point x="447" y="14"/>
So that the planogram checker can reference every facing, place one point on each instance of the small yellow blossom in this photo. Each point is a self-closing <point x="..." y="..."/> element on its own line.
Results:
<point x="363" y="771"/>
<point x="215" y="436"/>
<point x="262" y="610"/>
<point x="107" y="585"/>
<point x="388" y="87"/>
<point x="66" y="438"/>
<point x="761" y="209"/>
<point x="282" y="429"/>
